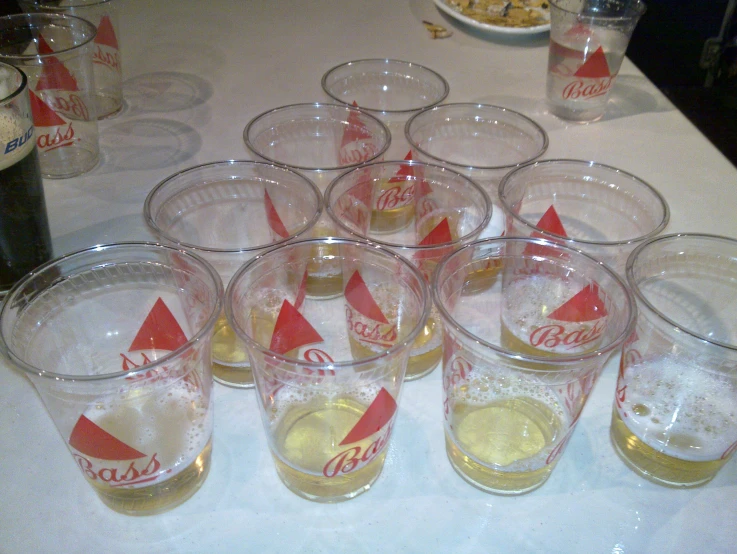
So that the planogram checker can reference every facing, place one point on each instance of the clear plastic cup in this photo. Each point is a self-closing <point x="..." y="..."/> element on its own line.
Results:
<point x="522" y="356"/>
<point x="328" y="372"/>
<point x="602" y="210"/>
<point x="228" y="212"/>
<point x="674" y="419"/>
<point x="391" y="90"/>
<point x="420" y="211"/>
<point x="480" y="141"/>
<point x="116" y="340"/>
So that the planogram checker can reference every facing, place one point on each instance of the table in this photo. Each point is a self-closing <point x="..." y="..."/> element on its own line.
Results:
<point x="195" y="73"/>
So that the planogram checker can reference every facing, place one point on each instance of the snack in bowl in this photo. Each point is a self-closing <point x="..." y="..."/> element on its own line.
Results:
<point x="504" y="13"/>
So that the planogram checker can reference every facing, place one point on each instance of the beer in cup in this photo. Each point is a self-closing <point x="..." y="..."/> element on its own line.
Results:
<point x="522" y="356"/>
<point x="328" y="371"/>
<point x="674" y="420"/>
<point x="116" y="340"/>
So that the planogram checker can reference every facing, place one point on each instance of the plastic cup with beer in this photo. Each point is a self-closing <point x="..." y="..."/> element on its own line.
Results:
<point x="481" y="141"/>
<point x="391" y="90"/>
<point x="522" y="356"/>
<point x="602" y="210"/>
<point x="24" y="225"/>
<point x="228" y="212"/>
<point x="320" y="141"/>
<point x="674" y="416"/>
<point x="106" y="57"/>
<point x="588" y="40"/>
<point x="116" y="340"/>
<point x="419" y="211"/>
<point x="55" y="52"/>
<point x="328" y="372"/>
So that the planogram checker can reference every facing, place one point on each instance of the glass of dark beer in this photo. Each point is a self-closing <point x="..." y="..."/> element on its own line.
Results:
<point x="25" y="241"/>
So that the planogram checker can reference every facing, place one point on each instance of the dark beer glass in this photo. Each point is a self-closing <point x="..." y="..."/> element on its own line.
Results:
<point x="25" y="241"/>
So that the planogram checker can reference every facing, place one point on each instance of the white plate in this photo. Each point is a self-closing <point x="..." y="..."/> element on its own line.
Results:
<point x="487" y="26"/>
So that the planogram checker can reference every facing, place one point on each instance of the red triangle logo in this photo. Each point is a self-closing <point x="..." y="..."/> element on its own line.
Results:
<point x="359" y="297"/>
<point x="551" y="223"/>
<point x="106" y="33"/>
<point x="54" y="74"/>
<point x="379" y="413"/>
<point x="356" y="129"/>
<point x="272" y="217"/>
<point x="439" y="235"/>
<point x="43" y="115"/>
<point x="406" y="172"/>
<point x="160" y="331"/>
<point x="584" y="306"/>
<point x="91" y="440"/>
<point x="291" y="330"/>
<point x="595" y="67"/>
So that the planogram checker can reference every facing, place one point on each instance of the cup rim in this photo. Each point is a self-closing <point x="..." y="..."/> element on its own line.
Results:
<point x="18" y="91"/>
<point x="634" y="10"/>
<point x="151" y="221"/>
<point x="541" y="132"/>
<point x="387" y="61"/>
<point x="411" y="247"/>
<point x="640" y="297"/>
<point x="70" y="5"/>
<point x="104" y="377"/>
<point x="26" y="19"/>
<point x="315" y="105"/>
<point x="406" y="343"/>
<point x="559" y="363"/>
<point x="571" y="241"/>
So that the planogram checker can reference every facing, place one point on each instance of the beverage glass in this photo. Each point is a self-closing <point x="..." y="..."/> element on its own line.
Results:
<point x="391" y="90"/>
<point x="480" y="141"/>
<point x="25" y="240"/>
<point x="320" y="141"/>
<point x="588" y="40"/>
<point x="106" y="58"/>
<point x="521" y="357"/>
<point x="419" y="211"/>
<point x="602" y="210"/>
<point x="55" y="53"/>
<point x="116" y="340"/>
<point x="674" y="420"/>
<point x="228" y="212"/>
<point x="328" y="372"/>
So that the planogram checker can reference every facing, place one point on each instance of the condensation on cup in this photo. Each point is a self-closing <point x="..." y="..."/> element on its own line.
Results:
<point x="116" y="340"/>
<point x="674" y="420"/>
<point x="588" y="40"/>
<point x="25" y="240"/>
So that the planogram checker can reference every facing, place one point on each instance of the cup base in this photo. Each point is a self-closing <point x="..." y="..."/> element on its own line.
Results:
<point x="576" y="116"/>
<point x="504" y="483"/>
<point x="318" y="488"/>
<point x="240" y="377"/>
<point x="160" y="497"/>
<point x="655" y="466"/>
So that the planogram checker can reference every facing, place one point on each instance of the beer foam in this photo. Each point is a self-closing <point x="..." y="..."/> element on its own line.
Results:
<point x="175" y="424"/>
<point x="685" y="412"/>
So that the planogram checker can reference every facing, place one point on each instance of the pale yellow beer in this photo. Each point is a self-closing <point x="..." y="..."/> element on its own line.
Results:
<point x="306" y="444"/>
<point x="230" y="363"/>
<point x="673" y="424"/>
<point x="172" y="428"/>
<point x="481" y="276"/>
<point x="394" y="207"/>
<point x="504" y="443"/>
<point x="324" y="270"/>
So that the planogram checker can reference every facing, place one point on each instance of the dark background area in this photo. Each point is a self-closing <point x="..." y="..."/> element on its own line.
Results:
<point x="667" y="47"/>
